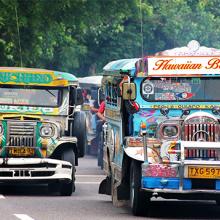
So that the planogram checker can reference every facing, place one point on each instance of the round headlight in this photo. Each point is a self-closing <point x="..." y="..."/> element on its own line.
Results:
<point x="46" y="131"/>
<point x="170" y="131"/>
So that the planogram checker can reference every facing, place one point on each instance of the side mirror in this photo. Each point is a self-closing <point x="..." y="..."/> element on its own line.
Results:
<point x="77" y="96"/>
<point x="129" y="91"/>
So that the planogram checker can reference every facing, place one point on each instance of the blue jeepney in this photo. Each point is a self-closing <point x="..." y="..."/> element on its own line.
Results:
<point x="162" y="135"/>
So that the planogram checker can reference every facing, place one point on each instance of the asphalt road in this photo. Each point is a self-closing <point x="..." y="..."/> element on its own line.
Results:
<point x="34" y="202"/>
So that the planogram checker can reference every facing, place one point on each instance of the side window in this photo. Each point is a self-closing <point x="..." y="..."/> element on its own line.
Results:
<point x="111" y="94"/>
<point x="114" y="95"/>
<point x="108" y="93"/>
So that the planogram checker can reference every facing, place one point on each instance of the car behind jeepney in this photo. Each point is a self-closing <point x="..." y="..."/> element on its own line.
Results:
<point x="39" y="124"/>
<point x="91" y="90"/>
<point x="162" y="136"/>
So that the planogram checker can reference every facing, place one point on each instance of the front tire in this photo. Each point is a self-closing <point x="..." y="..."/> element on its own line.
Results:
<point x="139" y="201"/>
<point x="66" y="189"/>
<point x="79" y="131"/>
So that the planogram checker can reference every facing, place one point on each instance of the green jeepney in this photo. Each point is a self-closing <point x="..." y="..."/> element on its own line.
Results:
<point x="39" y="127"/>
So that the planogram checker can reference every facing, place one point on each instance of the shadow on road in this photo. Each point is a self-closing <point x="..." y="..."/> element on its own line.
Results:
<point x="184" y="210"/>
<point x="25" y="190"/>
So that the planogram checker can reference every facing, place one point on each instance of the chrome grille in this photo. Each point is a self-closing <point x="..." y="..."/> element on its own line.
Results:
<point x="201" y="132"/>
<point x="21" y="133"/>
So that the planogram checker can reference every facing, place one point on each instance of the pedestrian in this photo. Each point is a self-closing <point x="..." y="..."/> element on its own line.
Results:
<point x="99" y="132"/>
<point x="101" y="111"/>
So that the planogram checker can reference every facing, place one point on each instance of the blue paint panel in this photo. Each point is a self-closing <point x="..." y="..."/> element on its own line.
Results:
<point x="187" y="184"/>
<point x="153" y="116"/>
<point x="150" y="111"/>
<point x="123" y="64"/>
<point x="165" y="183"/>
<point x="217" y="184"/>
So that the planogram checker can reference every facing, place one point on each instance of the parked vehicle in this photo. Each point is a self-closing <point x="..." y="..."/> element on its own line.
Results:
<point x="39" y="127"/>
<point x="91" y="90"/>
<point x="162" y="132"/>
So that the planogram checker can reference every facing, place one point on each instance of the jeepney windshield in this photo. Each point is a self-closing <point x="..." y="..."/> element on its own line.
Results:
<point x="30" y="96"/>
<point x="181" y="89"/>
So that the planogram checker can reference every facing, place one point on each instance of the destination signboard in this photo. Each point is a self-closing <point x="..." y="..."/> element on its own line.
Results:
<point x="165" y="66"/>
<point x="41" y="78"/>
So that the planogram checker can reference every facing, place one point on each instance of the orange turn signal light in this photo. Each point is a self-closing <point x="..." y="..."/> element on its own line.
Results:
<point x="143" y="125"/>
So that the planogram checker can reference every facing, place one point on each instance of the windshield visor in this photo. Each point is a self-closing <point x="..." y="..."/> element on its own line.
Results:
<point x="30" y="97"/>
<point x="188" y="89"/>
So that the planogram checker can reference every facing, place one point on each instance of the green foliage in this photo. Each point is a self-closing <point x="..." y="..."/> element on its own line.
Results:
<point x="81" y="36"/>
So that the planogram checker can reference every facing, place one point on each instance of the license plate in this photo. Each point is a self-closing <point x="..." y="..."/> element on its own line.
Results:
<point x="204" y="172"/>
<point x="21" y="151"/>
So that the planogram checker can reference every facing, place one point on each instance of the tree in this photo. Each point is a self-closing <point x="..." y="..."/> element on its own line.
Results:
<point x="81" y="36"/>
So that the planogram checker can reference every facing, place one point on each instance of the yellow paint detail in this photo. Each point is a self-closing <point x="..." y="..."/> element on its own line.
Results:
<point x="60" y="82"/>
<point x="44" y="143"/>
<point x="156" y="145"/>
<point x="44" y="152"/>
<point x="181" y="106"/>
<point x="172" y="145"/>
<point x="28" y="70"/>
<point x="112" y="113"/>
<point x="54" y="111"/>
<point x="21" y="116"/>
<point x="141" y="74"/>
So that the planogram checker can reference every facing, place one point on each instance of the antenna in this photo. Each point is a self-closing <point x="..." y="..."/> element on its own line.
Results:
<point x="19" y="42"/>
<point x="142" y="38"/>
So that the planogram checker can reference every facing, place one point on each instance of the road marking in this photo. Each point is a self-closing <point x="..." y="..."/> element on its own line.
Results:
<point x="89" y="179"/>
<point x="2" y="197"/>
<point x="90" y="175"/>
<point x="87" y="182"/>
<point x="23" y="217"/>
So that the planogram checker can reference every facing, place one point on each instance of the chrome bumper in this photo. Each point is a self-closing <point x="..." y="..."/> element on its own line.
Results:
<point x="183" y="195"/>
<point x="183" y="183"/>
<point x="34" y="169"/>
